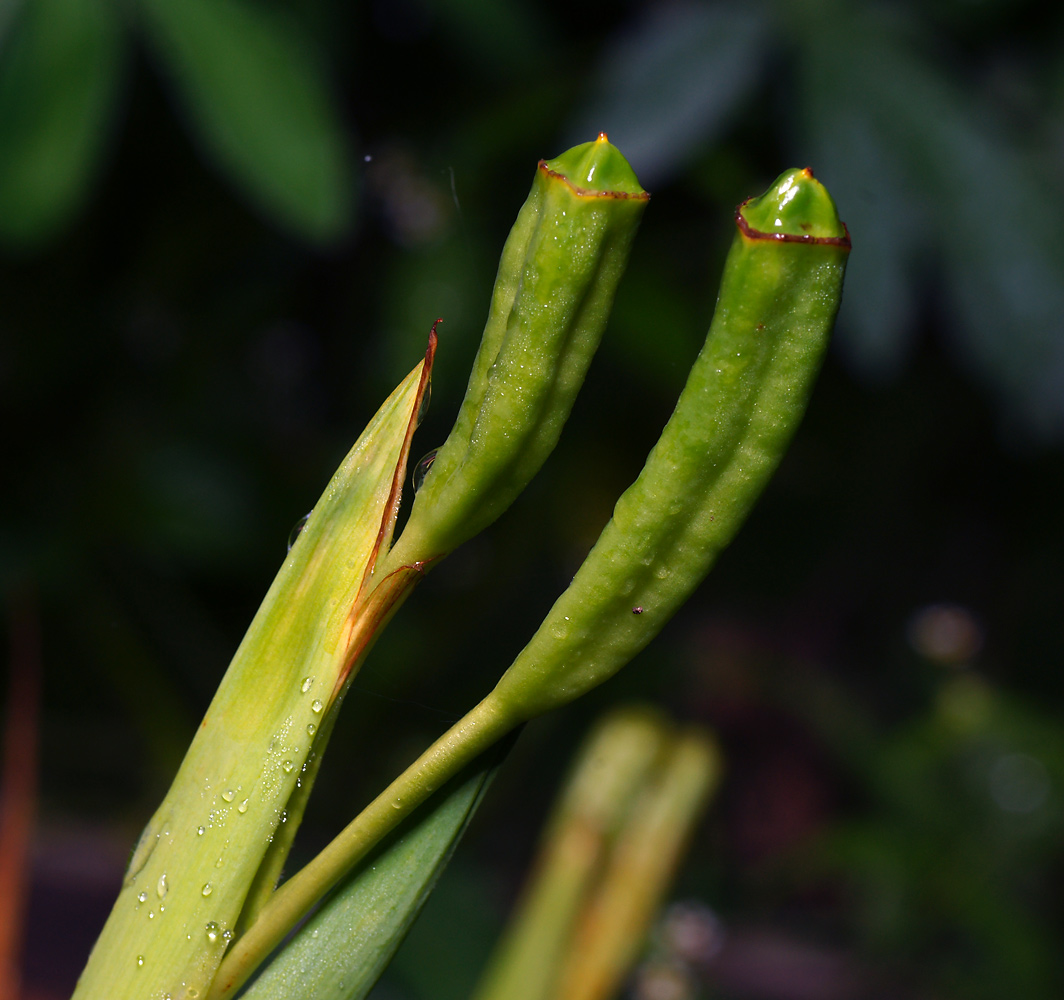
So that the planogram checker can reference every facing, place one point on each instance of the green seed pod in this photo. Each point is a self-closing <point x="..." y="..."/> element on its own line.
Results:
<point x="553" y="292"/>
<point x="743" y="400"/>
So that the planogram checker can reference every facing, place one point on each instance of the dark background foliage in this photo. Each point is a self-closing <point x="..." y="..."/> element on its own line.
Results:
<point x="227" y="227"/>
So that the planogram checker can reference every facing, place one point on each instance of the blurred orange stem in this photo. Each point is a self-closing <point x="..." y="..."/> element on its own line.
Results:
<point x="18" y="793"/>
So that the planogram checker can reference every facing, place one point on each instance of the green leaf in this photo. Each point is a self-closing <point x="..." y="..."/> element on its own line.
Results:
<point x="508" y="40"/>
<point x="982" y="205"/>
<point x="673" y="82"/>
<point x="225" y="826"/>
<point x="340" y="952"/>
<point x="258" y="102"/>
<point x="866" y="174"/>
<point x="59" y="78"/>
<point x="9" y="9"/>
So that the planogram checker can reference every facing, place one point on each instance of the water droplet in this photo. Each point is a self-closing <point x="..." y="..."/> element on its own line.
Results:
<point x="421" y="470"/>
<point x="227" y="935"/>
<point x="297" y="529"/>
<point x="397" y="804"/>
<point x="311" y="729"/>
<point x="287" y="766"/>
<point x="243" y="807"/>
<point x="200" y="831"/>
<point x="306" y="685"/>
<point x="140" y="960"/>
<point x="213" y="930"/>
<point x="161" y="886"/>
<point x="207" y="889"/>
<point x="316" y="706"/>
<point x="284" y="816"/>
<point x="192" y="993"/>
<point x="151" y="914"/>
<point x="228" y="795"/>
<point x="142" y="897"/>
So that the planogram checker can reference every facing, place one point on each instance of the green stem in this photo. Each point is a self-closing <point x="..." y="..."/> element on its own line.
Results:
<point x="469" y="737"/>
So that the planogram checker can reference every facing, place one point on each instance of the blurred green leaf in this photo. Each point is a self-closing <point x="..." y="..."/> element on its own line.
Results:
<point x="965" y="807"/>
<point x="670" y="83"/>
<point x="261" y="107"/>
<point x="60" y="73"/>
<point x="983" y="208"/>
<point x="505" y="38"/>
<point x="877" y="321"/>
<point x="8" y="10"/>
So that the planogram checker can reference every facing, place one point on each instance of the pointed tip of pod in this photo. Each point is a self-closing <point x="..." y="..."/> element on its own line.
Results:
<point x="596" y="169"/>
<point x="796" y="208"/>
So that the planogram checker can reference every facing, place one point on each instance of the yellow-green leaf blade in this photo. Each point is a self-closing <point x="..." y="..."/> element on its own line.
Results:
<point x="190" y="874"/>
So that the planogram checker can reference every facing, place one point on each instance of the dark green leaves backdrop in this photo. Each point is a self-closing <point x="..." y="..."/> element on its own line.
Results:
<point x="227" y="226"/>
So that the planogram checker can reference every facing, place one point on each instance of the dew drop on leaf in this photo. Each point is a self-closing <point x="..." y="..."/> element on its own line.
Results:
<point x="421" y="470"/>
<point x="297" y="529"/>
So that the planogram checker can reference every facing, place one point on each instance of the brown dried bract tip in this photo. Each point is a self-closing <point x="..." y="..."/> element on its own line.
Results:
<point x="602" y="137"/>
<point x="756" y="234"/>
